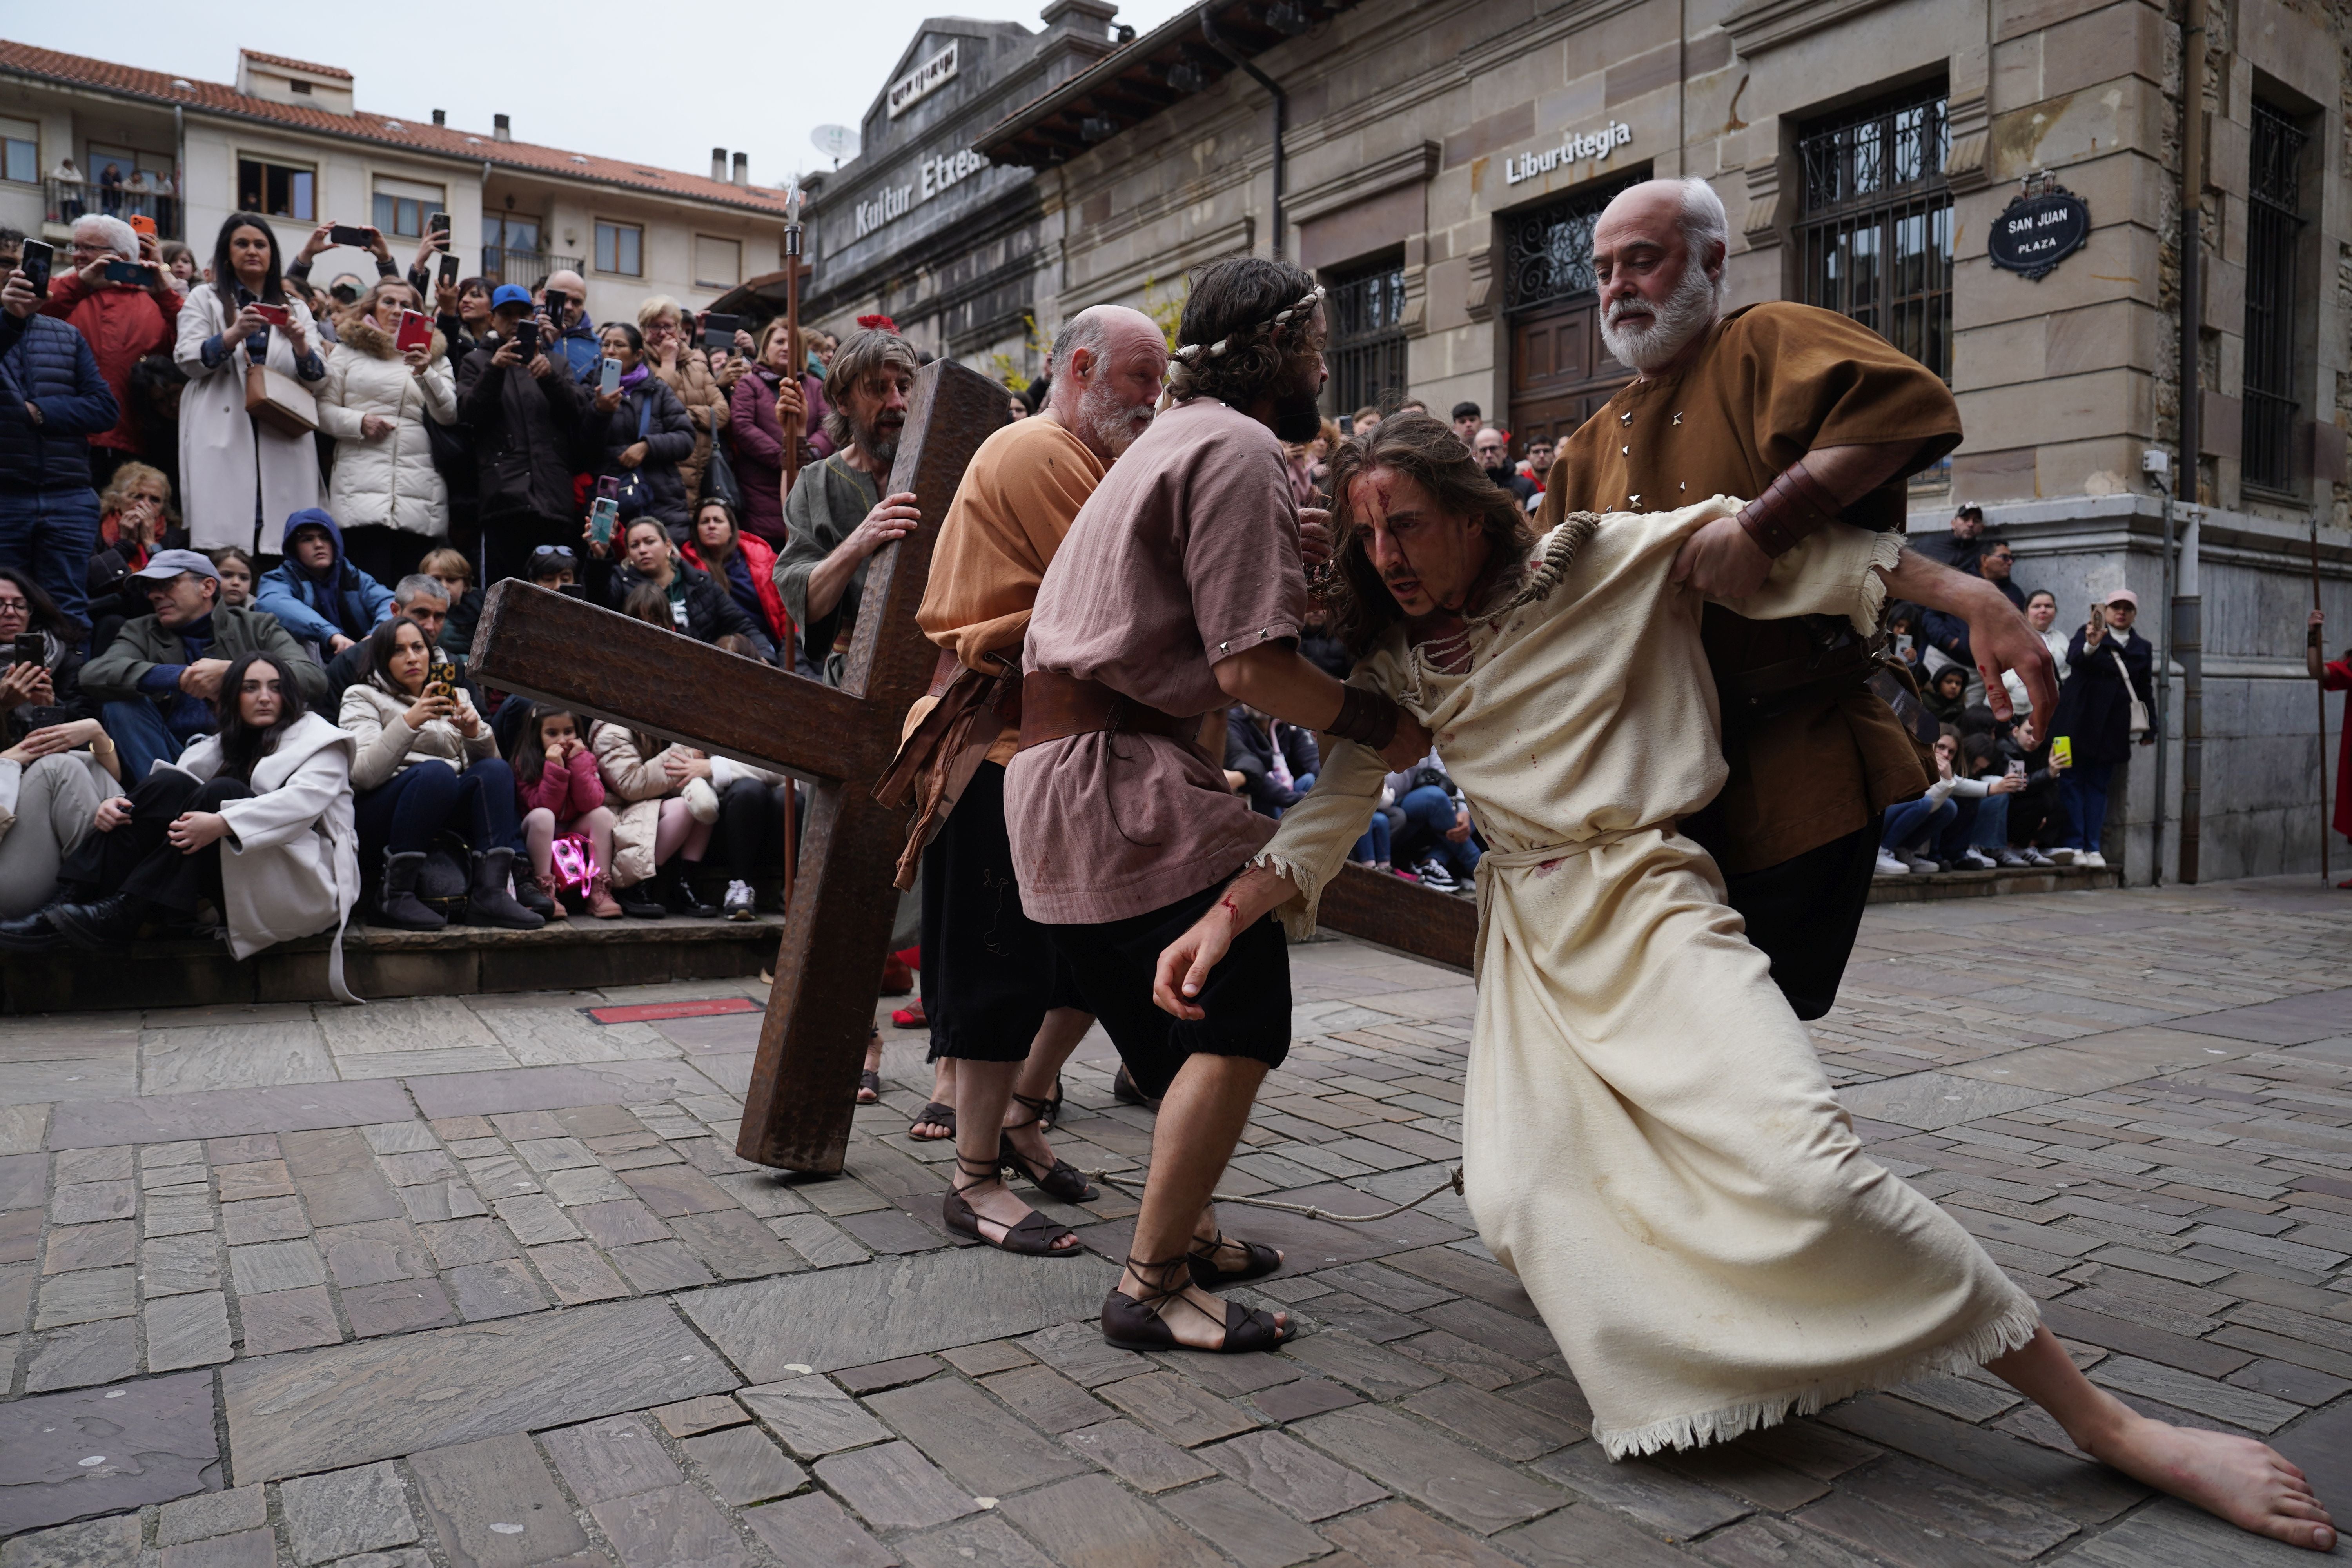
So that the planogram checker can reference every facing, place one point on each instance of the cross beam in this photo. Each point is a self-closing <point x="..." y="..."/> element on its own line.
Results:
<point x="543" y="646"/>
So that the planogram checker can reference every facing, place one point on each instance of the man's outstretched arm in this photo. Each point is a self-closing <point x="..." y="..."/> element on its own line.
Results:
<point x="1999" y="634"/>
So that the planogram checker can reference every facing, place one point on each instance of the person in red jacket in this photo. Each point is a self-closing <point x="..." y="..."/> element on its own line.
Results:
<point x="2335" y="675"/>
<point x="122" y="321"/>
<point x="559" y="793"/>
<point x="744" y="565"/>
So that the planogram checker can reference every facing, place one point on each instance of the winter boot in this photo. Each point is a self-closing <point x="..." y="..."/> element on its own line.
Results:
<point x="600" y="898"/>
<point x="533" y="896"/>
<point x="677" y="893"/>
<point x="397" y="906"/>
<point x="488" y="902"/>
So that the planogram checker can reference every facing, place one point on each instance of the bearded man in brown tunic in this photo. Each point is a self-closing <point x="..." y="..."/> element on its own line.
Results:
<point x="1808" y="416"/>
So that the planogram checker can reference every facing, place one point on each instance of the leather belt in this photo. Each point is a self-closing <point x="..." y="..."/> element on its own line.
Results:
<point x="1054" y="706"/>
<point x="1750" y="696"/>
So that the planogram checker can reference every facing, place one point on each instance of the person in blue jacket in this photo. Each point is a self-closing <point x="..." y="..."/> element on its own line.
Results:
<point x="316" y="595"/>
<point x="52" y="400"/>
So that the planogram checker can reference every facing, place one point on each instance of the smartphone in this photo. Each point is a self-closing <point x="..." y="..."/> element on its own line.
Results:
<point x="276" y="315"/>
<point x="141" y="224"/>
<point x="574" y="591"/>
<point x="1903" y="645"/>
<point x="415" y="331"/>
<point x="609" y="489"/>
<point x="438" y="223"/>
<point x="34" y="263"/>
<point x="2017" y="768"/>
<point x="2061" y="751"/>
<point x="351" y="233"/>
<point x="551" y="302"/>
<point x="138" y="275"/>
<point x="603" y="516"/>
<point x="440" y="675"/>
<point x="526" y="340"/>
<point x="608" y="376"/>
<point x="719" y="331"/>
<point x="31" y="649"/>
<point x="448" y="270"/>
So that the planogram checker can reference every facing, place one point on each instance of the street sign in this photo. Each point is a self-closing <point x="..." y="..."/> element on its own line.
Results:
<point x="2034" y="233"/>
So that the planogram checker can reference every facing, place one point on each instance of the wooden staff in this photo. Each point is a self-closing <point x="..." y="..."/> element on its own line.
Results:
<point x="2319" y="689"/>
<point x="792" y="454"/>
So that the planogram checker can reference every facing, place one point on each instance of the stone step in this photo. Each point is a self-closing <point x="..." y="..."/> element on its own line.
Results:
<point x="458" y="960"/>
<point x="1919" y="889"/>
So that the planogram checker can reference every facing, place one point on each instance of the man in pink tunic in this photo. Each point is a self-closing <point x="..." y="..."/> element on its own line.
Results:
<point x="1178" y="591"/>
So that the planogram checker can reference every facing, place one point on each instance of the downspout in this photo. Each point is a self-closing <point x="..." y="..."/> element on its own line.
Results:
<point x="2187" y="631"/>
<point x="180" y="166"/>
<point x="1281" y="109"/>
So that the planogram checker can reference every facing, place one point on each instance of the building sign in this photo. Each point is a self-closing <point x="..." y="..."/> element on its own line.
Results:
<point x="2037" y="231"/>
<point x="1576" y="148"/>
<point x="922" y="82"/>
<point x="932" y="177"/>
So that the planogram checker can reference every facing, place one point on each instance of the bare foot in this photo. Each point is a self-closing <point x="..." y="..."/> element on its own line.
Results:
<point x="2237" y="1478"/>
<point x="999" y="1211"/>
<point x="1196" y="1318"/>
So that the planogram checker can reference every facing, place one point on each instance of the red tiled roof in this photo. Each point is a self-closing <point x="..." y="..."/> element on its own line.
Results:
<point x="295" y="64"/>
<point x="212" y="98"/>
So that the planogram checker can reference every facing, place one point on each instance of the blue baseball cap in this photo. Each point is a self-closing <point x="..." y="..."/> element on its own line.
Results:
<point x="510" y="294"/>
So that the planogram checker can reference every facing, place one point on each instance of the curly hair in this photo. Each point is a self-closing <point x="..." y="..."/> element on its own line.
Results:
<point x="1239" y="351"/>
<point x="1422" y="448"/>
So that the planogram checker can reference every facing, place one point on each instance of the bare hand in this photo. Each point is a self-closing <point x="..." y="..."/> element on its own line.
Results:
<point x="374" y="426"/>
<point x="24" y="682"/>
<point x="1721" y="562"/>
<point x="249" y="323"/>
<point x="542" y="367"/>
<point x="746" y="347"/>
<point x="2002" y="640"/>
<point x="468" y="721"/>
<point x="1461" y="828"/>
<point x="1184" y="964"/>
<point x="191" y="830"/>
<point x="890" y="522"/>
<point x="296" y="336"/>
<point x="94" y="275"/>
<point x="608" y="401"/>
<point x="791" y="412"/>
<point x="509" y="355"/>
<point x="444" y="299"/>
<point x="322" y="239"/>
<point x="633" y="455"/>
<point x="338" y="643"/>
<point x="202" y="679"/>
<point x="684" y="765"/>
<point x="416" y="360"/>
<point x="64" y="737"/>
<point x="377" y="246"/>
<point x="112" y="814"/>
<point x="1408" y="745"/>
<point x="17" y="298"/>
<point x="1315" y="535"/>
<point x="427" y="709"/>
<point x="597" y="548"/>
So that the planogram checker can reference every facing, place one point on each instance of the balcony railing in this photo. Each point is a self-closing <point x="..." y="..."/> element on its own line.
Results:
<point x="65" y="200"/>
<point x="528" y="268"/>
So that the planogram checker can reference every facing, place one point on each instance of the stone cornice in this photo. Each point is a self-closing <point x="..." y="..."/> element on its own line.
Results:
<point x="1412" y="166"/>
<point x="1769" y="23"/>
<point x="1230" y="239"/>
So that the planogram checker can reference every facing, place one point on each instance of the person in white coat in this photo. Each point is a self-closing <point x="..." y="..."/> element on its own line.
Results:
<point x="376" y="402"/>
<point x="256" y="818"/>
<point x="235" y="470"/>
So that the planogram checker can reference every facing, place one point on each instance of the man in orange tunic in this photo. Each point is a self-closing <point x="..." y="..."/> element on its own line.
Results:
<point x="1808" y="416"/>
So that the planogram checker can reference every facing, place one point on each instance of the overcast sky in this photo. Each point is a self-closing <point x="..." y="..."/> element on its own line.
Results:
<point x="756" y="78"/>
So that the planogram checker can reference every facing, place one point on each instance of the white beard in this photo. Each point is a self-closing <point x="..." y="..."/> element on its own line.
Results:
<point x="1689" y="310"/>
<point x="1115" y="424"/>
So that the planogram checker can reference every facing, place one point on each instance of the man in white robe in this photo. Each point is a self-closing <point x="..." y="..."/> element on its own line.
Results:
<point x="1649" y="1141"/>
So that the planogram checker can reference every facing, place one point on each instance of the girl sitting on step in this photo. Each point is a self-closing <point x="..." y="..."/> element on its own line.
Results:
<point x="562" y="795"/>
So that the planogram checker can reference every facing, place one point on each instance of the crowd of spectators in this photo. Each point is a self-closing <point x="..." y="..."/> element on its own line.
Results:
<point x="245" y="528"/>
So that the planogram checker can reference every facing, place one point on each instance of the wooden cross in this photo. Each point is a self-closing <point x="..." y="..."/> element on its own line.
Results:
<point x="552" y="649"/>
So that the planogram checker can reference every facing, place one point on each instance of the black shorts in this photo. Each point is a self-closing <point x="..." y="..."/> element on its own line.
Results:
<point x="1247" y="997"/>
<point x="989" y="972"/>
<point x="1804" y="913"/>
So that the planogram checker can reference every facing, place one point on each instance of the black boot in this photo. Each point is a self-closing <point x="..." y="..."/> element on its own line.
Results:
<point x="488" y="902"/>
<point x="1123" y="1089"/>
<point x="106" y="922"/>
<point x="30" y="933"/>
<point x="534" y="897"/>
<point x="641" y="901"/>
<point x="398" y="907"/>
<point x="677" y="891"/>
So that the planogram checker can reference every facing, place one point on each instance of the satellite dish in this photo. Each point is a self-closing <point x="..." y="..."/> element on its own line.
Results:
<point x="835" y="141"/>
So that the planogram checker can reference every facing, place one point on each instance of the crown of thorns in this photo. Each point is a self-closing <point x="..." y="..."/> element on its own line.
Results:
<point x="1193" y="354"/>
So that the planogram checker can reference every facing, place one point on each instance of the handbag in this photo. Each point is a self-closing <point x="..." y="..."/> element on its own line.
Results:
<point x="719" y="482"/>
<point x="2140" y="723"/>
<point x="280" y="401"/>
<point x="635" y="493"/>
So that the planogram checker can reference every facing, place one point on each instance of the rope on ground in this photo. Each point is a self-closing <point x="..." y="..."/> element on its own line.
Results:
<point x="1453" y="1182"/>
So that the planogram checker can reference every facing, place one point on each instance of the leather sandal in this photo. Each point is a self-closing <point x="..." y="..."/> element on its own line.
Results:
<point x="1031" y="1236"/>
<point x="1050" y="1117"/>
<point x="869" y="1087"/>
<point x="933" y="1114"/>
<point x="1136" y="1325"/>
<point x="1263" y="1261"/>
<point x="1063" y="1180"/>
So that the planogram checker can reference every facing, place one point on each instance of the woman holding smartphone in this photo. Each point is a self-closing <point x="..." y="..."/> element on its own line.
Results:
<point x="2107" y="665"/>
<point x="646" y="433"/>
<point x="391" y="377"/>
<point x="240" y="478"/>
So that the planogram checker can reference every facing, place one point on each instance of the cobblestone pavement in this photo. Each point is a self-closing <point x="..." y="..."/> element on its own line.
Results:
<point x="478" y="1280"/>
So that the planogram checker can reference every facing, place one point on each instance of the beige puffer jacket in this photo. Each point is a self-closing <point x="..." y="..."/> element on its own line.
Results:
<point x="387" y="744"/>
<point x="634" y="786"/>
<point x="390" y="480"/>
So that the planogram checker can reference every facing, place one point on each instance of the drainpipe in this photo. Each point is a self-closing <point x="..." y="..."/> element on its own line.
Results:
<point x="180" y="166"/>
<point x="2187" y="631"/>
<point x="2162" y="685"/>
<point x="1281" y="109"/>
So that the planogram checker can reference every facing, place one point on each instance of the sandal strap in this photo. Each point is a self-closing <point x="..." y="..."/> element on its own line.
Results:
<point x="1155" y="1277"/>
<point x="1038" y="1109"/>
<point x="966" y="1168"/>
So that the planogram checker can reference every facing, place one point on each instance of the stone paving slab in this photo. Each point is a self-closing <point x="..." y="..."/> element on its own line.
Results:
<point x="501" y="1292"/>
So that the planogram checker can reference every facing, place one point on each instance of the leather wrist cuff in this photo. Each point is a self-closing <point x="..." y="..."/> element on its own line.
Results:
<point x="1366" y="718"/>
<point x="1795" y="505"/>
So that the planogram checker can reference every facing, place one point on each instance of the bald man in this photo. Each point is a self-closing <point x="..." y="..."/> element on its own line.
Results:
<point x="576" y="344"/>
<point x="1001" y="1003"/>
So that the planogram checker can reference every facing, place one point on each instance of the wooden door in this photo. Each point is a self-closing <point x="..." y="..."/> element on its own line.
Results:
<point x="1560" y="372"/>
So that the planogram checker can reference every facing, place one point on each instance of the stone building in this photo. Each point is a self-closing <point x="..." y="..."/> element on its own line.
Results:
<point x="1442" y="166"/>
<point x="921" y="228"/>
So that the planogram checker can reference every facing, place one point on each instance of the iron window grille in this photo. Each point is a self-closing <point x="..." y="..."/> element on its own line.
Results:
<point x="1875" y="236"/>
<point x="2274" y="223"/>
<point x="1365" y="313"/>
<point x="1547" y="252"/>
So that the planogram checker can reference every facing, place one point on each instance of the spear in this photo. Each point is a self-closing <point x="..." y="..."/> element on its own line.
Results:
<point x="793" y="325"/>
<point x="2320" y="688"/>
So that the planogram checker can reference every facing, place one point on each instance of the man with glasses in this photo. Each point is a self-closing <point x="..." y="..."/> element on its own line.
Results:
<point x="122" y="321"/>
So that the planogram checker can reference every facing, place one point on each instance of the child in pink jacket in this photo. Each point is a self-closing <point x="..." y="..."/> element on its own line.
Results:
<point x="560" y="794"/>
